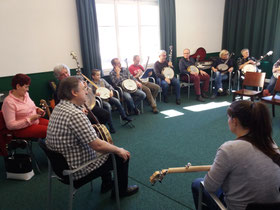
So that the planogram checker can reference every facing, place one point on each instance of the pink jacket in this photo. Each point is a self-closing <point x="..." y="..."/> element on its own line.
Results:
<point x="17" y="112"/>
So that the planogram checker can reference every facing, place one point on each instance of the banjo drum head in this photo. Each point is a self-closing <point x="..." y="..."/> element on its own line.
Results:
<point x="168" y="72"/>
<point x="129" y="85"/>
<point x="103" y="92"/>
<point x="193" y="68"/>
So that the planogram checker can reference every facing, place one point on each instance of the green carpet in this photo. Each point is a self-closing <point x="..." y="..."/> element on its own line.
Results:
<point x="156" y="143"/>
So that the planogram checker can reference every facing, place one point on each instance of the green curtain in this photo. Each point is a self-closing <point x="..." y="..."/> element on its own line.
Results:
<point x="167" y="18"/>
<point x="89" y="38"/>
<point x="252" y="24"/>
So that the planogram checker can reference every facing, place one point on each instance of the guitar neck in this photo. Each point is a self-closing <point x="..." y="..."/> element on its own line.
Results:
<point x="187" y="169"/>
<point x="91" y="82"/>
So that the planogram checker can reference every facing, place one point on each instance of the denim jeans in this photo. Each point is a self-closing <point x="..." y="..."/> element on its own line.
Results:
<point x="115" y="102"/>
<point x="206" y="198"/>
<point x="271" y="84"/>
<point x="134" y="99"/>
<point x="218" y="80"/>
<point x="164" y="85"/>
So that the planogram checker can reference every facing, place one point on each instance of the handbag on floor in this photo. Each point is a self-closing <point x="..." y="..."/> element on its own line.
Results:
<point x="19" y="166"/>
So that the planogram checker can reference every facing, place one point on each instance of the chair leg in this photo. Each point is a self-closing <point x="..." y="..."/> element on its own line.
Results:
<point x="233" y="96"/>
<point x="49" y="205"/>
<point x="30" y="152"/>
<point x="116" y="181"/>
<point x="273" y="110"/>
<point x="200" y="197"/>
<point x="71" y="190"/>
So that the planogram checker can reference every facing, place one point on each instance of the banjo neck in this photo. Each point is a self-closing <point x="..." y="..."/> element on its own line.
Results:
<point x="159" y="175"/>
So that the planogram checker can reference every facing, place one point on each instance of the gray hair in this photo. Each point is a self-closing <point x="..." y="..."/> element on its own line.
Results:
<point x="58" y="68"/>
<point x="245" y="49"/>
<point x="161" y="52"/>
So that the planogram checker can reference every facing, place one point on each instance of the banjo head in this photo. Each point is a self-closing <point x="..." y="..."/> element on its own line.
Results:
<point x="103" y="92"/>
<point x="193" y="69"/>
<point x="249" y="68"/>
<point x="129" y="85"/>
<point x="222" y="67"/>
<point x="168" y="72"/>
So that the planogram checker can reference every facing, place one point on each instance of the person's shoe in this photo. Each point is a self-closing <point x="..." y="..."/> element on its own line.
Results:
<point x="131" y="190"/>
<point x="199" y="98"/>
<point x="126" y="119"/>
<point x="165" y="100"/>
<point x="112" y="129"/>
<point x="220" y="90"/>
<point x="105" y="187"/>
<point x="136" y="111"/>
<point x="155" y="110"/>
<point x="178" y="101"/>
<point x="214" y="96"/>
<point x="204" y="95"/>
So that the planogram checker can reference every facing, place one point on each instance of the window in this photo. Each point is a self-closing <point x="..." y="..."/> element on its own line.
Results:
<point x="128" y="28"/>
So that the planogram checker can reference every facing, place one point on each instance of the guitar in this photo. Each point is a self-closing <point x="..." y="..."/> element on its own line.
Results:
<point x="159" y="175"/>
<point x="45" y="107"/>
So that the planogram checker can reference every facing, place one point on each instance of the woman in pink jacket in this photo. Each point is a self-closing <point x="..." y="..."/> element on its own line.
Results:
<point x="20" y="113"/>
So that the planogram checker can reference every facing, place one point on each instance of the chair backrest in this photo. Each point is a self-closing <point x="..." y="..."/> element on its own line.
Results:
<point x="254" y="79"/>
<point x="5" y="136"/>
<point x="263" y="206"/>
<point x="277" y="86"/>
<point x="57" y="160"/>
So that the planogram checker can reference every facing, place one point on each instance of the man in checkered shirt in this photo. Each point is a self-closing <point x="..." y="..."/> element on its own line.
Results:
<point x="71" y="134"/>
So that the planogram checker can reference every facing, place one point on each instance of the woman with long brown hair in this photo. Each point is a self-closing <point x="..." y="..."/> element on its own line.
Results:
<point x="247" y="169"/>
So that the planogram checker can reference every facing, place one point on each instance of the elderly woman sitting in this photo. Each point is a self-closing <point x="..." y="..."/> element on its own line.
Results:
<point x="20" y="113"/>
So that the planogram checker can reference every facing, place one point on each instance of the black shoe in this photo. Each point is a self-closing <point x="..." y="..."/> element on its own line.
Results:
<point x="105" y="187"/>
<point x="131" y="190"/>
<point x="165" y="100"/>
<point x="136" y="111"/>
<point x="204" y="95"/>
<point x="199" y="98"/>
<point x="126" y="119"/>
<point x="178" y="101"/>
<point x="155" y="110"/>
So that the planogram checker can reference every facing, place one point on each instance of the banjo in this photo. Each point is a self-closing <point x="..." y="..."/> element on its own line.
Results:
<point x="103" y="92"/>
<point x="168" y="72"/>
<point x="147" y="78"/>
<point x="129" y="85"/>
<point x="253" y="68"/>
<point x="223" y="67"/>
<point x="159" y="175"/>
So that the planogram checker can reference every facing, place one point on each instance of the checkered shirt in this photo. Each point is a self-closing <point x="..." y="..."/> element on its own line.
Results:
<point x="69" y="133"/>
<point x="124" y="74"/>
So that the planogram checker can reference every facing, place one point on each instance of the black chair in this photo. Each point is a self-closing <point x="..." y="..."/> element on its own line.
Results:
<point x="58" y="168"/>
<point x="250" y="206"/>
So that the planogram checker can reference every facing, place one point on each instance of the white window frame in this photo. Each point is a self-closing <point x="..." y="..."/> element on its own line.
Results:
<point x="106" y="71"/>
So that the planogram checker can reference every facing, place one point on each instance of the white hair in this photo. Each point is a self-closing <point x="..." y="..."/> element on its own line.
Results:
<point x="161" y="52"/>
<point x="58" y="68"/>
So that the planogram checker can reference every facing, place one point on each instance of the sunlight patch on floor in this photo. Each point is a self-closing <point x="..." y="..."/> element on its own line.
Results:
<point x="208" y="106"/>
<point x="171" y="113"/>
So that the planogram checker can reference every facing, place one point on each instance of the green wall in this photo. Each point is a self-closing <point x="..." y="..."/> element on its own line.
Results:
<point x="39" y="88"/>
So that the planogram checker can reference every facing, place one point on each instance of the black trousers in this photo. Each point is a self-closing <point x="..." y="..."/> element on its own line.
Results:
<point x="102" y="115"/>
<point x="104" y="172"/>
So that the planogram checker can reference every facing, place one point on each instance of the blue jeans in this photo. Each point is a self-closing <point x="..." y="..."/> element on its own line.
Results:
<point x="134" y="99"/>
<point x="218" y="80"/>
<point x="206" y="198"/>
<point x="164" y="85"/>
<point x="114" y="101"/>
<point x="271" y="84"/>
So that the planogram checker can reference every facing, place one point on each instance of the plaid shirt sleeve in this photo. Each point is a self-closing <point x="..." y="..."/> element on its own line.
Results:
<point x="82" y="128"/>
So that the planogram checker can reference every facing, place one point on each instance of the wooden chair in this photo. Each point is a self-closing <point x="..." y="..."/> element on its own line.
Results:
<point x="252" y="79"/>
<point x="273" y="99"/>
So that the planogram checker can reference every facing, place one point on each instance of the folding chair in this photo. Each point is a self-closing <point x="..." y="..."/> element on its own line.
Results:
<point x="58" y="168"/>
<point x="252" y="79"/>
